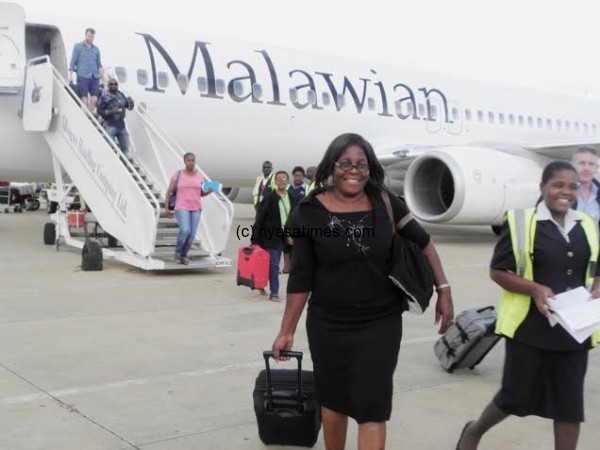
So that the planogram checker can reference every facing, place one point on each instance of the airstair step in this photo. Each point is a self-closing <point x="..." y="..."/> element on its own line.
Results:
<point x="169" y="253"/>
<point x="204" y="262"/>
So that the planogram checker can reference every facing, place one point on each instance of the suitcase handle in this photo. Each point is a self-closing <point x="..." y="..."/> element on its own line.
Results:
<point x="292" y="354"/>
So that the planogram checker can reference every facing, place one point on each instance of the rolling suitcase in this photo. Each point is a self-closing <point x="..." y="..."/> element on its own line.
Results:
<point x="468" y="340"/>
<point x="253" y="267"/>
<point x="286" y="406"/>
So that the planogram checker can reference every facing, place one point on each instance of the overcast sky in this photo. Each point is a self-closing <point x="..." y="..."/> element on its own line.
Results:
<point x="547" y="44"/>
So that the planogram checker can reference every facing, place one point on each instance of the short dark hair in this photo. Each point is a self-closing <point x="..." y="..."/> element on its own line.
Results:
<point x="281" y="172"/>
<point x="90" y="30"/>
<point x="188" y="154"/>
<point x="339" y="146"/>
<point x="298" y="169"/>
<point x="586" y="149"/>
<point x="556" y="166"/>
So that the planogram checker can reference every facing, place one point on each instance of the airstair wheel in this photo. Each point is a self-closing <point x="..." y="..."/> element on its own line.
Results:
<point x="49" y="233"/>
<point x="91" y="256"/>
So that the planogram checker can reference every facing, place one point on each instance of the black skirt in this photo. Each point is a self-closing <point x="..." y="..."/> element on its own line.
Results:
<point x="354" y="356"/>
<point x="543" y="383"/>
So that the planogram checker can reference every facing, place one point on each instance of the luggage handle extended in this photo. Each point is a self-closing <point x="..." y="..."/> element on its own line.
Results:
<point x="289" y="353"/>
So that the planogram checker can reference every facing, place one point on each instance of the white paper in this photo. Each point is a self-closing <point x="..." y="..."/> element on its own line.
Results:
<point x="576" y="312"/>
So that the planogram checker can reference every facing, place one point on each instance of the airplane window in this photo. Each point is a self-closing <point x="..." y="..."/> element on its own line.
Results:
<point x="163" y="79"/>
<point x="433" y="110"/>
<point x="576" y="126"/>
<point x="594" y="128"/>
<point x="585" y="127"/>
<point x="548" y="124"/>
<point x="220" y="85"/>
<point x="326" y="99"/>
<point x="540" y="122"/>
<point x="121" y="74"/>
<point x="491" y="118"/>
<point x="311" y="97"/>
<point x="480" y="115"/>
<point x="455" y="114"/>
<point x="421" y="109"/>
<point x="341" y="101"/>
<point x="257" y="90"/>
<point x="202" y="84"/>
<point x="501" y="118"/>
<point x="567" y="126"/>
<point x="142" y="77"/>
<point x="530" y="121"/>
<point x="182" y="82"/>
<point x="521" y="120"/>
<point x="238" y="88"/>
<point x="558" y="124"/>
<point x="468" y="114"/>
<point x="371" y="103"/>
<point x="511" y="119"/>
<point x="293" y="95"/>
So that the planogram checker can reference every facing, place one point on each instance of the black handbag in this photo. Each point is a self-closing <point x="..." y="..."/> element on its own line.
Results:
<point x="410" y="271"/>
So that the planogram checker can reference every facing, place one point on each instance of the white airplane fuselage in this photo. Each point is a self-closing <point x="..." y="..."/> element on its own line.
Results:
<point x="235" y="104"/>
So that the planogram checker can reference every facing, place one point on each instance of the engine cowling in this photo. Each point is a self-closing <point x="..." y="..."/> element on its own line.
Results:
<point x="471" y="185"/>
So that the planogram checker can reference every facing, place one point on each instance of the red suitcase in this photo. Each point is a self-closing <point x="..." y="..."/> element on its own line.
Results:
<point x="253" y="267"/>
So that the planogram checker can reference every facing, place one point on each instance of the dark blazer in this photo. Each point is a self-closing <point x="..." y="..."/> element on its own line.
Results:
<point x="268" y="229"/>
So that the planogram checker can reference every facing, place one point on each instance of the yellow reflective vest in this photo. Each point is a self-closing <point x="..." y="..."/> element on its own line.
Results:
<point x="257" y="192"/>
<point x="513" y="307"/>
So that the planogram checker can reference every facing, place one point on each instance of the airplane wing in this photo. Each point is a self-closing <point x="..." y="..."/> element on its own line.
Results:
<point x="561" y="150"/>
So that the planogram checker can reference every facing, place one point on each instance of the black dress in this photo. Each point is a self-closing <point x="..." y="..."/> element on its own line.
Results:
<point x="354" y="319"/>
<point x="544" y="367"/>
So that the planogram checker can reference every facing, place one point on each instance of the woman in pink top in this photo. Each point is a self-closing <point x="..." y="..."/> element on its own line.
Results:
<point x="188" y="186"/>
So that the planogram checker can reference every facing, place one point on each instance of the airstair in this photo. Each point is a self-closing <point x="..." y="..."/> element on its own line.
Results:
<point x="125" y="194"/>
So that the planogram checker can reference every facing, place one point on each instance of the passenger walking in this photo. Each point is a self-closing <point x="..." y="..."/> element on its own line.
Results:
<point x="111" y="108"/>
<point x="186" y="185"/>
<point x="271" y="219"/>
<point x="87" y="64"/>
<point x="544" y="367"/>
<point x="342" y="247"/>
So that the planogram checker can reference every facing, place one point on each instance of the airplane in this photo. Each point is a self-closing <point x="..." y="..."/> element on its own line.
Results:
<point x="460" y="151"/>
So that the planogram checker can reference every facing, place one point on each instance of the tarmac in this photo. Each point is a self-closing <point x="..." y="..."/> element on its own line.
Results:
<point x="124" y="359"/>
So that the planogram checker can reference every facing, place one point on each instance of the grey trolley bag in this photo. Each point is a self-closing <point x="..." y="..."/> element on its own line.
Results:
<point x="286" y="406"/>
<point x="468" y="339"/>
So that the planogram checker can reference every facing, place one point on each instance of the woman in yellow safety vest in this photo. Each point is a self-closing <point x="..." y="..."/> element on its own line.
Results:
<point x="541" y="252"/>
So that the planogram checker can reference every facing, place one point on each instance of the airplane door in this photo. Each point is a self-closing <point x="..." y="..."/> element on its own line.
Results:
<point x="12" y="47"/>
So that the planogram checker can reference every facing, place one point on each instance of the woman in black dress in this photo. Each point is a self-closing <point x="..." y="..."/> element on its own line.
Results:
<point x="342" y="249"/>
<point x="544" y="366"/>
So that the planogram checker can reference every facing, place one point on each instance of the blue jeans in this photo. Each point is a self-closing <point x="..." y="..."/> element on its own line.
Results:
<point x="188" y="224"/>
<point x="275" y="257"/>
<point x="121" y="134"/>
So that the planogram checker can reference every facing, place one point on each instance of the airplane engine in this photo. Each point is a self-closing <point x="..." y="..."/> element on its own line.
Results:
<point x="472" y="185"/>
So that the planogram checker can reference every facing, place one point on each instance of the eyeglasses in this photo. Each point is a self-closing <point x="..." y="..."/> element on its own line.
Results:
<point x="281" y="179"/>
<point x="113" y="84"/>
<point x="347" y="166"/>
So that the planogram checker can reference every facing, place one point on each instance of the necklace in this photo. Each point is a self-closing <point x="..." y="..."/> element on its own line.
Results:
<point x="352" y="231"/>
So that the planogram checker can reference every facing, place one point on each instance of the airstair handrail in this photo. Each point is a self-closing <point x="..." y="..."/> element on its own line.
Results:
<point x="118" y="153"/>
<point x="175" y="149"/>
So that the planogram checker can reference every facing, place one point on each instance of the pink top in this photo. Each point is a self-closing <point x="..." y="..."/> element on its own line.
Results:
<point x="189" y="191"/>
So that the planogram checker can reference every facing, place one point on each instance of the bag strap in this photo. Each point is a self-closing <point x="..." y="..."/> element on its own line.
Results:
<point x="176" y="182"/>
<point x="388" y="206"/>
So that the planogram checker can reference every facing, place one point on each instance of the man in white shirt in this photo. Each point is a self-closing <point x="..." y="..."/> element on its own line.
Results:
<point x="585" y="161"/>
